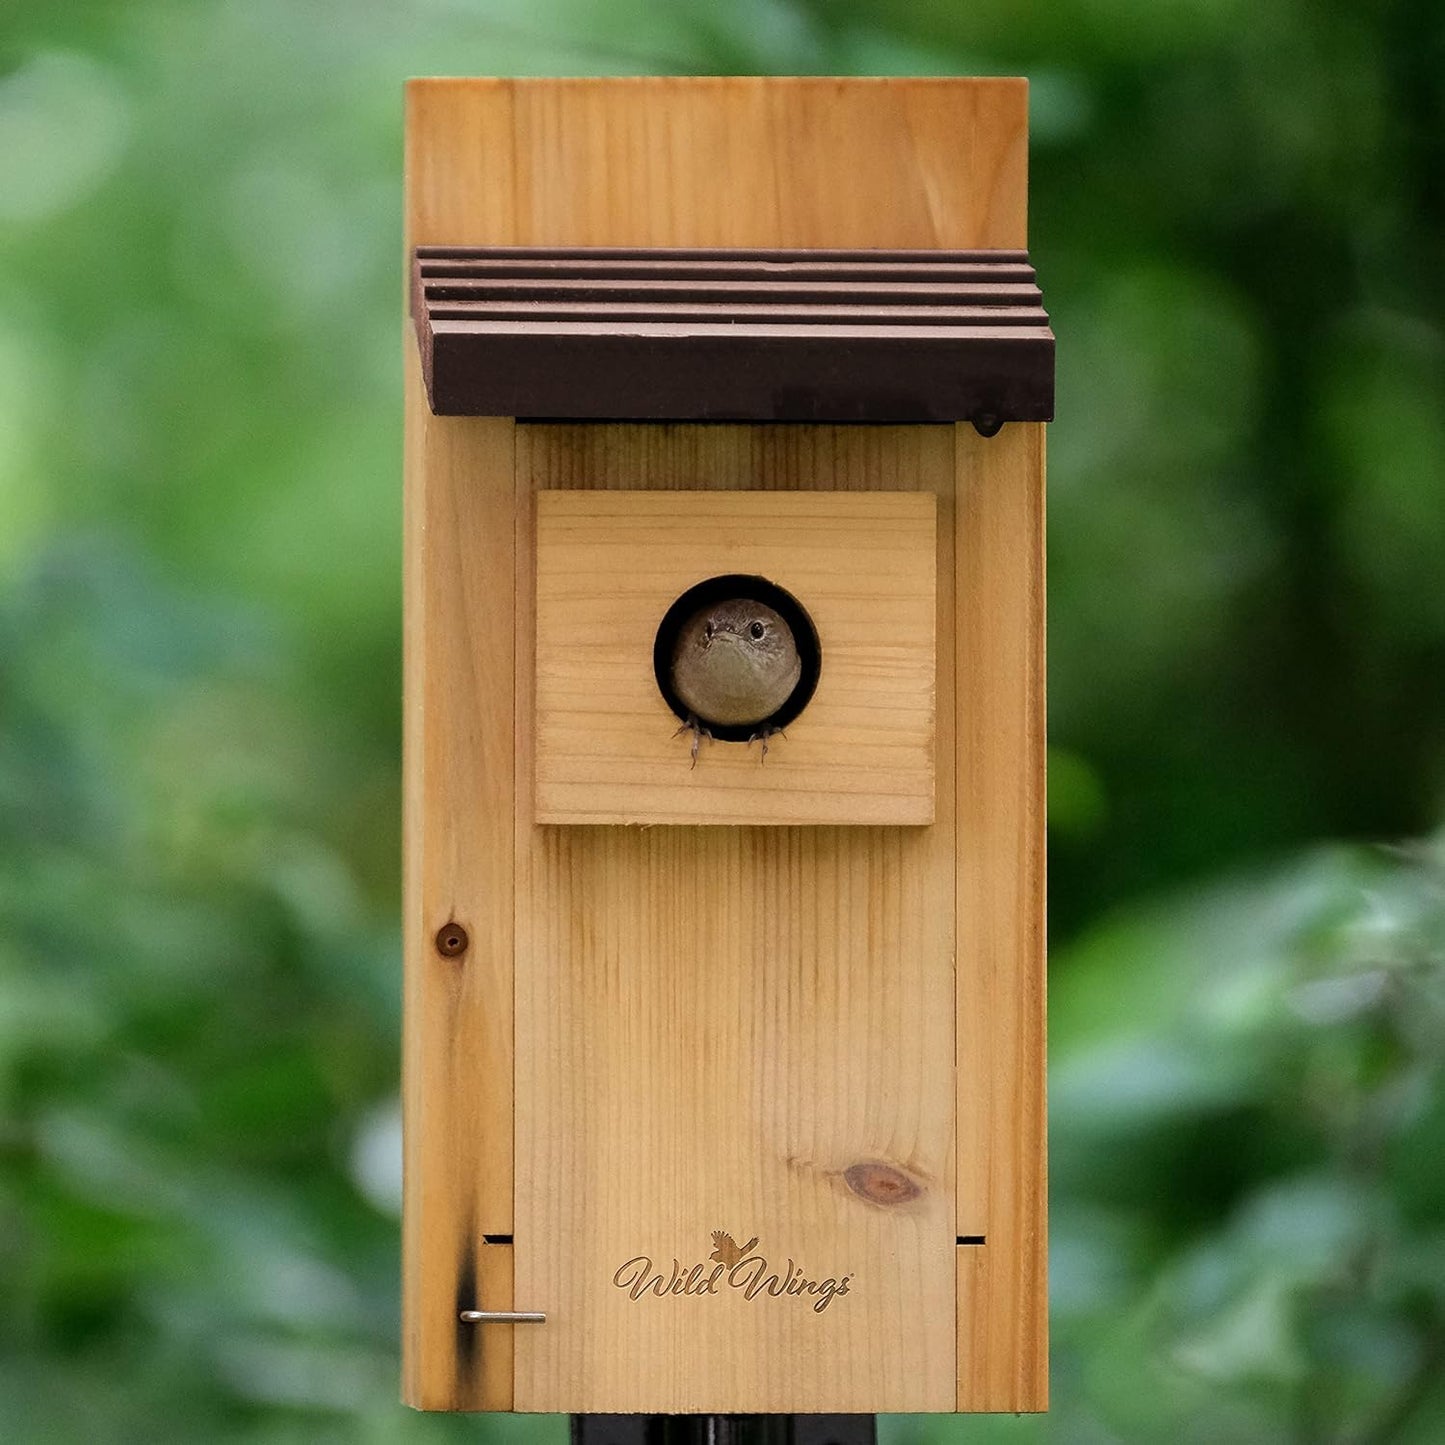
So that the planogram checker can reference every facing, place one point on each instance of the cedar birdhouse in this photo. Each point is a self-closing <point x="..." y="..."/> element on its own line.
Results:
<point x="724" y="1073"/>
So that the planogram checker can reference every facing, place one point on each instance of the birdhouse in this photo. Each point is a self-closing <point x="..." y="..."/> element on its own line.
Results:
<point x="724" y="736"/>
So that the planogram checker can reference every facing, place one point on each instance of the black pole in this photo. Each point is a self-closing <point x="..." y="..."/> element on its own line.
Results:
<point x="724" y="1430"/>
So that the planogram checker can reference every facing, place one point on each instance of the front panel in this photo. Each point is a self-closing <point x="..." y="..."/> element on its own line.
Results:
<point x="735" y="1045"/>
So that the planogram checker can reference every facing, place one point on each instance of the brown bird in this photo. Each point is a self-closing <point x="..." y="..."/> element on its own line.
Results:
<point x="726" y="1250"/>
<point x="734" y="664"/>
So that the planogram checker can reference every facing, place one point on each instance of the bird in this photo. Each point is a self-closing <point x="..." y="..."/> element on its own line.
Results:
<point x="726" y="1250"/>
<point x="734" y="664"/>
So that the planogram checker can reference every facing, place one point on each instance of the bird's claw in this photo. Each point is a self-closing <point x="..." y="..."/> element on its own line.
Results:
<point x="699" y="732"/>
<point x="693" y="726"/>
<point x="762" y="737"/>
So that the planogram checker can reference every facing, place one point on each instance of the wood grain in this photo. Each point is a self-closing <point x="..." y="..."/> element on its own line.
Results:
<point x="1002" y="1185"/>
<point x="741" y="161"/>
<point x="460" y="173"/>
<point x="716" y="1025"/>
<point x="610" y="564"/>
<point x="720" y="161"/>
<point x="458" y="785"/>
<point x="459" y="789"/>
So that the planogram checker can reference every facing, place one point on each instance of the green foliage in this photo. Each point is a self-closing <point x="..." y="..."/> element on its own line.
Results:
<point x="1238" y="219"/>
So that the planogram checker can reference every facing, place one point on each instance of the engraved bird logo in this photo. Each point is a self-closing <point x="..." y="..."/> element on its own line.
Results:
<point x="727" y="1250"/>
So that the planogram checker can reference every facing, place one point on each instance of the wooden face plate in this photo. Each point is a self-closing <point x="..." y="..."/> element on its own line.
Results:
<point x="609" y="565"/>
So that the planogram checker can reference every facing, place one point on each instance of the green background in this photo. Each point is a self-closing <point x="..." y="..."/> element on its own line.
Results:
<point x="1237" y="215"/>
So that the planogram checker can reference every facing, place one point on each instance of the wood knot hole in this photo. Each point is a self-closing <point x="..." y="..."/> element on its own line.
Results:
<point x="881" y="1184"/>
<point x="452" y="940"/>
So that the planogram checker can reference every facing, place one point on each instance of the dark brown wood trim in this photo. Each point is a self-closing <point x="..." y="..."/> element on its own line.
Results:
<point x="714" y="335"/>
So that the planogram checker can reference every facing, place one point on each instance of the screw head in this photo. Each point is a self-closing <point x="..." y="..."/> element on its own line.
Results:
<point x="452" y="940"/>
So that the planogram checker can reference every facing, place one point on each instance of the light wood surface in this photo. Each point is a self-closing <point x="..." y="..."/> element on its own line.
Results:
<point x="1003" y="1322"/>
<point x="789" y="991"/>
<point x="714" y="1025"/>
<point x="719" y="161"/>
<point x="458" y="783"/>
<point x="610" y="564"/>
<point x="459" y="791"/>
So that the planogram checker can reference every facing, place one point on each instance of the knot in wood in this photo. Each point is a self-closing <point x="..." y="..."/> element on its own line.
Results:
<point x="881" y="1183"/>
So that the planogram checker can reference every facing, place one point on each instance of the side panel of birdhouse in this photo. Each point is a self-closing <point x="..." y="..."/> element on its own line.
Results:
<point x="1002" y="1185"/>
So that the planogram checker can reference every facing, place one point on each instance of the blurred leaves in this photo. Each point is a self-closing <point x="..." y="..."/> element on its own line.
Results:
<point x="198" y="1011"/>
<point x="63" y="124"/>
<point x="1239" y="219"/>
<point x="1248" y="1116"/>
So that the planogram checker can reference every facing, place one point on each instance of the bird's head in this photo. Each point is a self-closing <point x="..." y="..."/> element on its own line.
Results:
<point x="751" y="628"/>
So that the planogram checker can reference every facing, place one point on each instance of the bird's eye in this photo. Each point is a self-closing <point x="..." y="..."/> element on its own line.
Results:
<point x="707" y="631"/>
<point x="756" y="631"/>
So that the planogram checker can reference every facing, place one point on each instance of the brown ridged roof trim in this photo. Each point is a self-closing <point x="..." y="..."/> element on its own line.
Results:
<point x="733" y="335"/>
